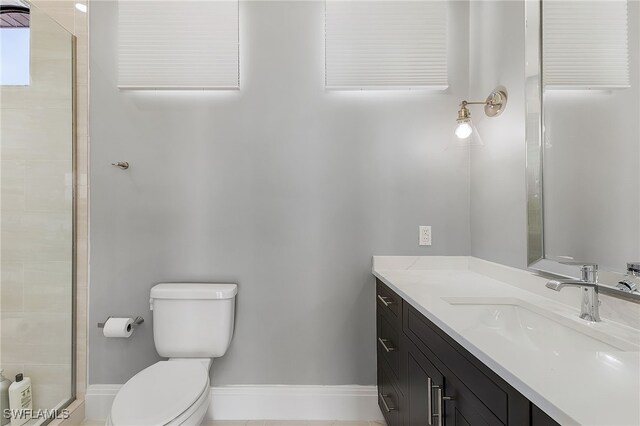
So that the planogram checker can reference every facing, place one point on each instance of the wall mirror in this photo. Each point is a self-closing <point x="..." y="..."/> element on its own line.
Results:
<point x="583" y="138"/>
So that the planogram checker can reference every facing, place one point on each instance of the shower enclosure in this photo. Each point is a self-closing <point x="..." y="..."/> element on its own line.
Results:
<point x="37" y="181"/>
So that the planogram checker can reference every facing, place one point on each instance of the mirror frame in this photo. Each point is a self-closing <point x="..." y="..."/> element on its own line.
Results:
<point x="534" y="137"/>
<point x="533" y="133"/>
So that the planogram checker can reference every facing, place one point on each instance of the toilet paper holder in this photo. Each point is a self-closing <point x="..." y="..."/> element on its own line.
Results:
<point x="137" y="321"/>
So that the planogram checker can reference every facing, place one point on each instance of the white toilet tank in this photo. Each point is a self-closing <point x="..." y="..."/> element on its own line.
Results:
<point x="193" y="320"/>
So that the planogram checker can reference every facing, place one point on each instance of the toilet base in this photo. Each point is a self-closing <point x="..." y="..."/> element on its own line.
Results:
<point x="193" y="416"/>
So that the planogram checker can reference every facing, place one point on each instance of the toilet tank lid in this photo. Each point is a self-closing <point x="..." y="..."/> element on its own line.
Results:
<point x="194" y="291"/>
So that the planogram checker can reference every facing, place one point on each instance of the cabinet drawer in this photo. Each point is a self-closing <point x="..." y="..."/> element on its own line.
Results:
<point x="421" y="330"/>
<point x="389" y="399"/>
<point x="389" y="303"/>
<point x="388" y="341"/>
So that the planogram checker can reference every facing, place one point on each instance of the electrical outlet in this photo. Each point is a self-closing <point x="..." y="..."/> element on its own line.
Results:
<point x="424" y="235"/>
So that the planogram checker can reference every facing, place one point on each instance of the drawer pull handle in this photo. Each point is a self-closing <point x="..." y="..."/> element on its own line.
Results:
<point x="384" y="342"/>
<point x="385" y="300"/>
<point x="440" y="398"/>
<point x="384" y="402"/>
<point x="429" y="400"/>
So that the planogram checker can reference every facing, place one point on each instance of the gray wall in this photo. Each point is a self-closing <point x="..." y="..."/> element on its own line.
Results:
<point x="282" y="187"/>
<point x="498" y="194"/>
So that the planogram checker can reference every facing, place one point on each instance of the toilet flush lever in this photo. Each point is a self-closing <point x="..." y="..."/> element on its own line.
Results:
<point x="124" y="165"/>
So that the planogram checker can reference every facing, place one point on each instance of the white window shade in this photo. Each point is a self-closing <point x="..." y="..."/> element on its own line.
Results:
<point x="183" y="44"/>
<point x="585" y="44"/>
<point x="386" y="44"/>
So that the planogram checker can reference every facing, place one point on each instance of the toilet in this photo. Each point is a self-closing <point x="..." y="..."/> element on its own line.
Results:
<point x="192" y="324"/>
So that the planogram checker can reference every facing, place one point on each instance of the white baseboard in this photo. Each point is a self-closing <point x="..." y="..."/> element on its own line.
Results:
<point x="267" y="402"/>
<point x="98" y="400"/>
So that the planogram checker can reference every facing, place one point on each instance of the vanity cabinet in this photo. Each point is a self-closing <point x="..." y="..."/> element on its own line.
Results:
<point x="426" y="378"/>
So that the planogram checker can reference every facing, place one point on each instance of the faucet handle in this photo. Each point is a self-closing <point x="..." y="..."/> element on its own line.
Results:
<point x="589" y="270"/>
<point x="633" y="268"/>
<point x="592" y="267"/>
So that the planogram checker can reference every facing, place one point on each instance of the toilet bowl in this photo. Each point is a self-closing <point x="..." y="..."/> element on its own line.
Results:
<point x="174" y="392"/>
<point x="193" y="323"/>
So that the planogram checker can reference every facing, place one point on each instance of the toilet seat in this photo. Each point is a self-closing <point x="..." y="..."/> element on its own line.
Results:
<point x="160" y="393"/>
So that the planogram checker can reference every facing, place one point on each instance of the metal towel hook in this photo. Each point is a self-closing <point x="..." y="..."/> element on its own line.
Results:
<point x="124" y="165"/>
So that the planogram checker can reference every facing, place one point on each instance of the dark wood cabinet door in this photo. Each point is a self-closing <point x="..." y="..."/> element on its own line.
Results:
<point x="438" y="398"/>
<point x="462" y="408"/>
<point x="493" y="394"/>
<point x="422" y="383"/>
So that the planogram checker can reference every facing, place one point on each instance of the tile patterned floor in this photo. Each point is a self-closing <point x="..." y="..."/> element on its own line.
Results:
<point x="269" y="423"/>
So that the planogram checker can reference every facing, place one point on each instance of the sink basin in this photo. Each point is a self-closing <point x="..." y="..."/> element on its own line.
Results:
<point x="514" y="321"/>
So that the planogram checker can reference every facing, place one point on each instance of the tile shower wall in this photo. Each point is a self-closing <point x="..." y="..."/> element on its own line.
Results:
<point x="76" y="22"/>
<point x="36" y="193"/>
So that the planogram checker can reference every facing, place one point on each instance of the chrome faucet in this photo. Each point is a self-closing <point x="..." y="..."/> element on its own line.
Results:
<point x="629" y="285"/>
<point x="589" y="282"/>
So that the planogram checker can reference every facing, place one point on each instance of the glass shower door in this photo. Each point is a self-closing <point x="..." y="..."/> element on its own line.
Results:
<point x="37" y="204"/>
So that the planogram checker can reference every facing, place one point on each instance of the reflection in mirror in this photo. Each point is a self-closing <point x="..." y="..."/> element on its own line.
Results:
<point x="591" y="131"/>
<point x="14" y="43"/>
<point x="583" y="134"/>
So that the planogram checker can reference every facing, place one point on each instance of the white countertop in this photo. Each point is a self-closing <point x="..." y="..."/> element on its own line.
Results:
<point x="586" y="387"/>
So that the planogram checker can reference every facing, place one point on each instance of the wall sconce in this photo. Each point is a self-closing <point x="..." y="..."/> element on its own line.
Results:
<point x="493" y="107"/>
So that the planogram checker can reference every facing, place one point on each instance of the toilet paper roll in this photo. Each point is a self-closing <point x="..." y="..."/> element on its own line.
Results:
<point x="118" y="327"/>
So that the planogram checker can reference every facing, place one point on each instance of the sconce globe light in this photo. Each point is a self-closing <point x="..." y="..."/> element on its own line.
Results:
<point x="464" y="128"/>
<point x="493" y="107"/>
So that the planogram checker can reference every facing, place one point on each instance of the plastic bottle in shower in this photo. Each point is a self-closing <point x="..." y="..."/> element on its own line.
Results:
<point x="20" y="400"/>
<point x="4" y="399"/>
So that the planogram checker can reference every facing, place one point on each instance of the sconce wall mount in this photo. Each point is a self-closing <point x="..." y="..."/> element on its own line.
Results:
<point x="494" y="105"/>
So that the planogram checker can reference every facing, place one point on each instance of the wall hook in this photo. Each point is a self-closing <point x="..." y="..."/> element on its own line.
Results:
<point x="124" y="165"/>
